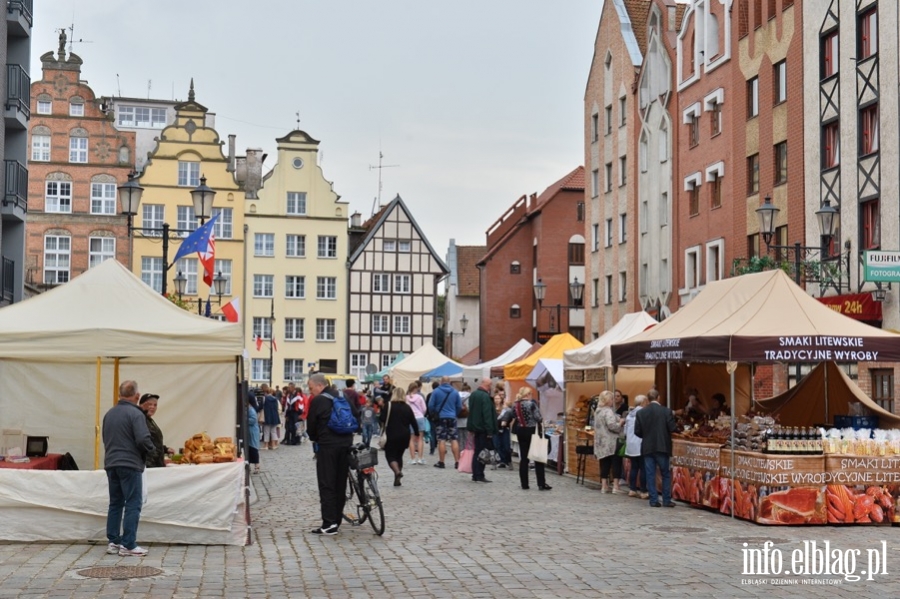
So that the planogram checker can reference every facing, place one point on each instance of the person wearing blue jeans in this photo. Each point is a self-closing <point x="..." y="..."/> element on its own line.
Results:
<point x="655" y="424"/>
<point x="127" y="441"/>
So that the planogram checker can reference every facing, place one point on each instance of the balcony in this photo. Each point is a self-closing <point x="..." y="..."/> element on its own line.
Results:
<point x="8" y="275"/>
<point x="15" y="198"/>
<point x="19" y="17"/>
<point x="18" y="97"/>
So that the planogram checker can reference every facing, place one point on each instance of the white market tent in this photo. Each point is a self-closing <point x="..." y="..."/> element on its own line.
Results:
<point x="596" y="354"/>
<point x="477" y="372"/>
<point x="547" y="377"/>
<point x="424" y="359"/>
<point x="62" y="355"/>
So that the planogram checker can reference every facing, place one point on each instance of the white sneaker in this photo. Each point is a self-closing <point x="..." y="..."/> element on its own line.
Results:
<point x="138" y="551"/>
<point x="422" y="461"/>
<point x="113" y="549"/>
<point x="411" y="462"/>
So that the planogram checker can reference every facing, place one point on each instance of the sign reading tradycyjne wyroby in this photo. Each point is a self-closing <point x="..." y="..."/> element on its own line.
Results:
<point x="881" y="266"/>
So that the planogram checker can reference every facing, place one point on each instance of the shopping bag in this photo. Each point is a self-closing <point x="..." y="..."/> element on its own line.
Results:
<point x="540" y="445"/>
<point x="465" y="460"/>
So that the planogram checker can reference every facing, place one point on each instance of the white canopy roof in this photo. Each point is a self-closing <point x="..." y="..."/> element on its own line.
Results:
<point x="424" y="359"/>
<point x="108" y="312"/>
<point x="596" y="354"/>
<point x="480" y="371"/>
<point x="548" y="372"/>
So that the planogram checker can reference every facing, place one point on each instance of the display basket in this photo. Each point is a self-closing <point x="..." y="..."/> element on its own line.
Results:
<point x="363" y="458"/>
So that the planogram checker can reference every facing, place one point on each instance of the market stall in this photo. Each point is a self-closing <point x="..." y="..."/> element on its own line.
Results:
<point x="419" y="362"/>
<point x="474" y="374"/>
<point x="62" y="356"/>
<point x="497" y="369"/>
<point x="763" y="318"/>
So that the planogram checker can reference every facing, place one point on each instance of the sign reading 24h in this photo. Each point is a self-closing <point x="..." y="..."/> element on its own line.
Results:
<point x="882" y="266"/>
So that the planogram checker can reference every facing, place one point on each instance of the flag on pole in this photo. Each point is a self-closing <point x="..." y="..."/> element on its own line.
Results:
<point x="232" y="310"/>
<point x="208" y="313"/>
<point x="208" y="260"/>
<point x="198" y="241"/>
<point x="274" y="347"/>
<point x="258" y="343"/>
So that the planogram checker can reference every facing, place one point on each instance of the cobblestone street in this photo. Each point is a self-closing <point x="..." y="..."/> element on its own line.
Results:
<point x="449" y="537"/>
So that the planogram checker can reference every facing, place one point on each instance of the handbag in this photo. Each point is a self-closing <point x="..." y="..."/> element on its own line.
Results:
<point x="620" y="447"/>
<point x="540" y="446"/>
<point x="465" y="460"/>
<point x="488" y="457"/>
<point x="382" y="436"/>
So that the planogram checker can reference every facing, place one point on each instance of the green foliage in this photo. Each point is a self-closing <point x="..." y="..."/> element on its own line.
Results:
<point x="744" y="266"/>
<point x="173" y="297"/>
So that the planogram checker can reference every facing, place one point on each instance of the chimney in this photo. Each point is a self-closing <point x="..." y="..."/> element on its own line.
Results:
<point x="230" y="167"/>
<point x="356" y="220"/>
<point x="254" y="173"/>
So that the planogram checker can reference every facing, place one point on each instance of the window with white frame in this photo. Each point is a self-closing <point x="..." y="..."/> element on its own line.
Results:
<point x="188" y="267"/>
<point x="100" y="249"/>
<point x="595" y="183"/>
<point x="623" y="285"/>
<point x="296" y="203"/>
<point x="401" y="324"/>
<point x="358" y="363"/>
<point x="261" y="369"/>
<point x="327" y="246"/>
<point x="58" y="196"/>
<point x="381" y="324"/>
<point x="264" y="244"/>
<point x="294" y="329"/>
<point x="608" y="233"/>
<point x="386" y="360"/>
<point x="78" y="149"/>
<point x="404" y="246"/>
<point x="263" y="285"/>
<point x="295" y="286"/>
<point x="103" y="198"/>
<point x="664" y="209"/>
<point x="44" y="107"/>
<point x="714" y="260"/>
<point x="293" y="369"/>
<point x="402" y="283"/>
<point x="390" y="245"/>
<point x="595" y="236"/>
<point x="595" y="292"/>
<point x="57" y="259"/>
<point x="224" y="267"/>
<point x="76" y="108"/>
<point x="187" y="220"/>
<point x="140" y="116"/>
<point x="152" y="272"/>
<point x="692" y="268"/>
<point x="262" y="327"/>
<point x="224" y="227"/>
<point x="608" y="292"/>
<point x="188" y="174"/>
<point x="295" y="246"/>
<point x="40" y="148"/>
<point x="153" y="216"/>
<point x="381" y="283"/>
<point x="622" y="228"/>
<point x="623" y="170"/>
<point x="325" y="329"/>
<point x="326" y="288"/>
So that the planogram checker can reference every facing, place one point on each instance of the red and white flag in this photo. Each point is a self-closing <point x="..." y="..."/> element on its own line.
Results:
<point x="232" y="310"/>
<point x="258" y="343"/>
<point x="208" y="260"/>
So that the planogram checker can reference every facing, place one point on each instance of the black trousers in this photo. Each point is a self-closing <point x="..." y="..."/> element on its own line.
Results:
<point x="290" y="427"/>
<point x="611" y="462"/>
<point x="481" y="442"/>
<point x="331" y="474"/>
<point x="524" y="437"/>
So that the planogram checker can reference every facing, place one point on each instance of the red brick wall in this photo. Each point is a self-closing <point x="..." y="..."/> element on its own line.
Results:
<point x="104" y="143"/>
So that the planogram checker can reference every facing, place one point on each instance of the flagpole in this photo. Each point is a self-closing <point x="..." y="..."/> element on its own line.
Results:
<point x="271" y="337"/>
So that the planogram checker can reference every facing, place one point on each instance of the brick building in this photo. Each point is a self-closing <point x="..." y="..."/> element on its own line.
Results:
<point x="77" y="160"/>
<point x="529" y="243"/>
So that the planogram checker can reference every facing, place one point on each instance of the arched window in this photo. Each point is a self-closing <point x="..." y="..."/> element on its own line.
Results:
<point x="515" y="268"/>
<point x="515" y="311"/>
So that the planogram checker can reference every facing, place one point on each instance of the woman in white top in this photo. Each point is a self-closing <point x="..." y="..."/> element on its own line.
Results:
<point x="464" y="392"/>
<point x="633" y="451"/>
<point x="417" y="441"/>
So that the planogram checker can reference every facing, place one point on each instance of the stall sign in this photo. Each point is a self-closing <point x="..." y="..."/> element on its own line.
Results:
<point x="695" y="470"/>
<point x="859" y="306"/>
<point x="862" y="489"/>
<point x="881" y="266"/>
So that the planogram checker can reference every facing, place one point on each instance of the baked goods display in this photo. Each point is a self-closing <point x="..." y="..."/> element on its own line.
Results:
<point x="201" y="449"/>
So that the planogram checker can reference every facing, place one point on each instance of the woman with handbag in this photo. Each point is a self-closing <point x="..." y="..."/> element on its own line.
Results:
<point x="526" y="421"/>
<point x="398" y="423"/>
<point x="607" y="429"/>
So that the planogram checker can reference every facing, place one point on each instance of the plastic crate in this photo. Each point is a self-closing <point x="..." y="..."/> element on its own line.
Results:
<point x="856" y="422"/>
<point x="365" y="458"/>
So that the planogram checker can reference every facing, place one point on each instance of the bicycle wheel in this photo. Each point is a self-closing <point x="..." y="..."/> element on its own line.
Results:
<point x="373" y="506"/>
<point x="350" y="501"/>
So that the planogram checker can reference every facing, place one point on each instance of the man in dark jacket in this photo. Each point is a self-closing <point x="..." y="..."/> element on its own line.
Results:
<point x="127" y="441"/>
<point x="482" y="423"/>
<point x="655" y="424"/>
<point x="332" y="457"/>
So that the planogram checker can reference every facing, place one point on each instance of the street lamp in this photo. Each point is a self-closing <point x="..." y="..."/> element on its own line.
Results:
<point x="202" y="197"/>
<point x="463" y="325"/>
<point x="576" y="291"/>
<point x="829" y="219"/>
<point x="219" y="284"/>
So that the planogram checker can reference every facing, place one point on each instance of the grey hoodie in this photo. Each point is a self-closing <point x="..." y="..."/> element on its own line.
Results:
<point x="126" y="437"/>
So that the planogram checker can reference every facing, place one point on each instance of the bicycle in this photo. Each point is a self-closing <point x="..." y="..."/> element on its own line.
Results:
<point x="362" y="483"/>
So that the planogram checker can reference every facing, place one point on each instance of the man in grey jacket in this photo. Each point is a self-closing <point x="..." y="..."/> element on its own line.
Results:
<point x="127" y="441"/>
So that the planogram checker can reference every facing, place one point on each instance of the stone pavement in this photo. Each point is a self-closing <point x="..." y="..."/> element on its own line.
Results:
<point x="449" y="537"/>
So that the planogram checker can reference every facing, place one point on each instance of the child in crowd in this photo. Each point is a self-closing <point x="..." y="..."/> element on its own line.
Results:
<point x="368" y="421"/>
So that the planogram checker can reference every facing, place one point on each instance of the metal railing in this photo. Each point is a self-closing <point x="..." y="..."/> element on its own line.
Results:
<point x="9" y="277"/>
<point x="16" y="187"/>
<point x="18" y="89"/>
<point x="26" y="7"/>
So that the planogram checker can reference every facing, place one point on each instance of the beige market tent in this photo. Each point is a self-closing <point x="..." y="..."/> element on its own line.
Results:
<point x="824" y="393"/>
<point x="473" y="374"/>
<point x="423" y="360"/>
<point x="596" y="354"/>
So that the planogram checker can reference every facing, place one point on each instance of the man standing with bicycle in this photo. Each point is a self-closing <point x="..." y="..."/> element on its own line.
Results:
<point x="332" y="457"/>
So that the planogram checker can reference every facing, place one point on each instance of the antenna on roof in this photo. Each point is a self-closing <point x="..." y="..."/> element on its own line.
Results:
<point x="72" y="40"/>
<point x="149" y="85"/>
<point x="118" y="85"/>
<point x="298" y="119"/>
<point x="377" y="202"/>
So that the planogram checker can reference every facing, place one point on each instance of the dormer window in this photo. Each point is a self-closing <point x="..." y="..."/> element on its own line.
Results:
<point x="76" y="107"/>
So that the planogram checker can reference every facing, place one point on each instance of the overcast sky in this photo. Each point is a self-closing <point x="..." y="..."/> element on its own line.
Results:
<point x="477" y="101"/>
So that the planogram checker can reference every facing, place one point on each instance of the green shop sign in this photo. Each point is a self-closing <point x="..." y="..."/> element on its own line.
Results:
<point x="881" y="266"/>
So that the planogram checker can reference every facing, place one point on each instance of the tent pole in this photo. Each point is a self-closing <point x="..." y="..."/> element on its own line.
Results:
<point x="732" y="442"/>
<point x="825" y="422"/>
<point x="668" y="384"/>
<point x="97" y="421"/>
<point x="116" y="382"/>
<point x="612" y="379"/>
